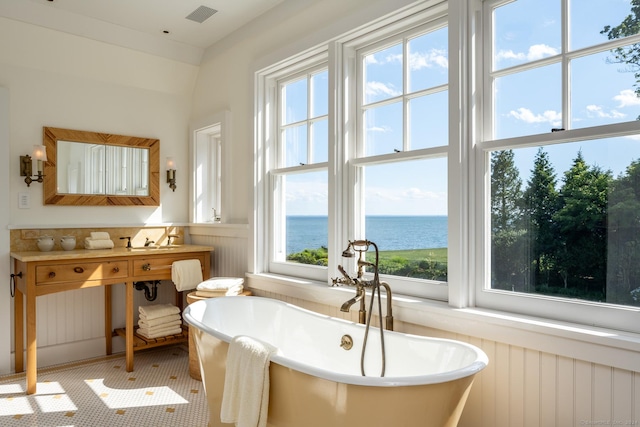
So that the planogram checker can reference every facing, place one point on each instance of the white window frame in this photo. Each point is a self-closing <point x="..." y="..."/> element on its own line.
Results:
<point x="562" y="309"/>
<point x="209" y="159"/>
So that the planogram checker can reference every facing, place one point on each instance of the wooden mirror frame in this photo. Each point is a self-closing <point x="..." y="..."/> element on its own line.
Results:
<point x="51" y="197"/>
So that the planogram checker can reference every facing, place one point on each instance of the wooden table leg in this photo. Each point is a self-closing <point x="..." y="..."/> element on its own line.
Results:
<point x="32" y="362"/>
<point x="108" y="332"/>
<point x="18" y="330"/>
<point x="129" y="328"/>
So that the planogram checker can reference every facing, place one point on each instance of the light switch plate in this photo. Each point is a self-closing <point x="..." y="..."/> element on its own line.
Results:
<point x="24" y="201"/>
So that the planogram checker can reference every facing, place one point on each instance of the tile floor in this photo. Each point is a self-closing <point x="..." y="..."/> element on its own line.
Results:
<point x="99" y="392"/>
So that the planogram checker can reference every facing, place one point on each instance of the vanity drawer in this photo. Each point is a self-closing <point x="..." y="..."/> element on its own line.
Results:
<point x="81" y="272"/>
<point x="160" y="267"/>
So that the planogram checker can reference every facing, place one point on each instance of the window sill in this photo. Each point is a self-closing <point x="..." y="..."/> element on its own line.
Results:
<point x="596" y="345"/>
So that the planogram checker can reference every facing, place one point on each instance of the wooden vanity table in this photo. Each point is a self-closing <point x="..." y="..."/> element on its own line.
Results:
<point x="44" y="273"/>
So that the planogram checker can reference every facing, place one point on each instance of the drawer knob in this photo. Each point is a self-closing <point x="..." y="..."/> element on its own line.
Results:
<point x="146" y="267"/>
<point x="78" y="269"/>
<point x="52" y="274"/>
<point x="116" y="269"/>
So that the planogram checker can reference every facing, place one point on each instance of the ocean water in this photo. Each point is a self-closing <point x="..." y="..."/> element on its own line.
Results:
<point x="388" y="232"/>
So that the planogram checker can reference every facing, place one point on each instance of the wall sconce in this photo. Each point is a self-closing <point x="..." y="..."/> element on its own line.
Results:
<point x="171" y="173"/>
<point x="39" y="153"/>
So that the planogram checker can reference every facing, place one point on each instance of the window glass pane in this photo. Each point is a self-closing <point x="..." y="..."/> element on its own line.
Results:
<point x="320" y="136"/>
<point x="383" y="74"/>
<point x="320" y="94"/>
<point x="383" y="129"/>
<point x="428" y="60"/>
<point x="405" y="210"/>
<point x="565" y="220"/>
<point x="528" y="102"/>
<point x="428" y="121"/>
<point x="602" y="91"/>
<point x="294" y="101"/>
<point x="590" y="17"/>
<point x="295" y="145"/>
<point x="526" y="30"/>
<point x="306" y="217"/>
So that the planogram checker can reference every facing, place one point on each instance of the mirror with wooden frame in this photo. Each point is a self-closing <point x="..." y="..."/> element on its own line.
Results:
<point x="86" y="168"/>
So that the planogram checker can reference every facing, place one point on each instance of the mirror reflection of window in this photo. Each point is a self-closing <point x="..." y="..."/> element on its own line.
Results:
<point x="85" y="168"/>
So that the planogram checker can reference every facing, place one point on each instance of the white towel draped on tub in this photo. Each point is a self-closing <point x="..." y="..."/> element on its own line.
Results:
<point x="186" y="274"/>
<point x="245" y="400"/>
<point x="98" y="243"/>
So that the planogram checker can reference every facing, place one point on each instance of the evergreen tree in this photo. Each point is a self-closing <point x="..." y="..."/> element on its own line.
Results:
<point x="582" y="221"/>
<point x="540" y="204"/>
<point x="623" y="266"/>
<point x="506" y="212"/>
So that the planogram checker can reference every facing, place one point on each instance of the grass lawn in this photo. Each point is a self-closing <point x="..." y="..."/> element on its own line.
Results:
<point x="437" y="254"/>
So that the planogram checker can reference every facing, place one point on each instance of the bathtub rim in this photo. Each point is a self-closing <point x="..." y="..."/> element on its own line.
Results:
<point x="480" y="362"/>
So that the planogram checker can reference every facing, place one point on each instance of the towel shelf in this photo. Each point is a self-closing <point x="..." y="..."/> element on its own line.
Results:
<point x="44" y="273"/>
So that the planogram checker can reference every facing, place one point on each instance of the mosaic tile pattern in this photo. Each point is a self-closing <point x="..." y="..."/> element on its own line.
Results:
<point x="99" y="392"/>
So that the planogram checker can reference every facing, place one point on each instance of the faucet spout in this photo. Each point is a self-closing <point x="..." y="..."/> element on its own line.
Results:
<point x="347" y="305"/>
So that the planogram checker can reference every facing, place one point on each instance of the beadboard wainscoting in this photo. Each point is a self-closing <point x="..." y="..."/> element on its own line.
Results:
<point x="230" y="247"/>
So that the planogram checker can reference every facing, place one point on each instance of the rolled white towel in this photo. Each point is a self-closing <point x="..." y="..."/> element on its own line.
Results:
<point x="100" y="235"/>
<point x="158" y="321"/>
<point x="162" y="333"/>
<point x="155" y="328"/>
<point x="98" y="244"/>
<point x="157" y="310"/>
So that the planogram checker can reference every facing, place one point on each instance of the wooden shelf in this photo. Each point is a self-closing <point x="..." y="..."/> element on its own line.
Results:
<point x="140" y="342"/>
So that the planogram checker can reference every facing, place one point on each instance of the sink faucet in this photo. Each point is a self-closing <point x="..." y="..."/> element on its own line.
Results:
<point x="128" y="241"/>
<point x="148" y="242"/>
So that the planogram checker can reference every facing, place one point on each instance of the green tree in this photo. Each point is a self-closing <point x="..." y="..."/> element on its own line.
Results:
<point x="506" y="213"/>
<point x="628" y="55"/>
<point x="623" y="264"/>
<point x="582" y="227"/>
<point x="540" y="204"/>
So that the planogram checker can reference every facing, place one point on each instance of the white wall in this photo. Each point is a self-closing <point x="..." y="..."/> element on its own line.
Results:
<point x="57" y="79"/>
<point x="49" y="78"/>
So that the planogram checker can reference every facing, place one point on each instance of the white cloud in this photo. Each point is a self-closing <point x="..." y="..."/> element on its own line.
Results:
<point x="627" y="98"/>
<point x="381" y="129"/>
<point x="597" y="111"/>
<point x="433" y="58"/>
<point x="537" y="51"/>
<point x="527" y="116"/>
<point x="376" y="88"/>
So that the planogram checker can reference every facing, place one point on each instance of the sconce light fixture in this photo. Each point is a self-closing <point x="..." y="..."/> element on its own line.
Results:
<point x="39" y="153"/>
<point x="171" y="173"/>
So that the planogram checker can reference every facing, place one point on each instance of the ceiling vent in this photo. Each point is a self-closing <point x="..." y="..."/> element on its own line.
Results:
<point x="201" y="14"/>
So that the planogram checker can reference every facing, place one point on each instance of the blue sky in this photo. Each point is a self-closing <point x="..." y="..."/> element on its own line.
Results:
<point x="529" y="103"/>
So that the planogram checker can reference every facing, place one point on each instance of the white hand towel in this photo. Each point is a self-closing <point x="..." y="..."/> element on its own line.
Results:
<point x="157" y="310"/>
<point x="98" y="244"/>
<point x="100" y="235"/>
<point x="158" y="321"/>
<point x="159" y="334"/>
<point x="214" y="286"/>
<point x="245" y="400"/>
<point x="186" y="274"/>
<point x="154" y="328"/>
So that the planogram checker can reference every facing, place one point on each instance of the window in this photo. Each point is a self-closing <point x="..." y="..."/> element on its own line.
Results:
<point x="400" y="158"/>
<point x="208" y="158"/>
<point x="562" y="148"/>
<point x="380" y="176"/>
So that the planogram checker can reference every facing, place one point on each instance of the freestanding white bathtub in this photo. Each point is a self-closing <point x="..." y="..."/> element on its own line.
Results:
<point x="316" y="382"/>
